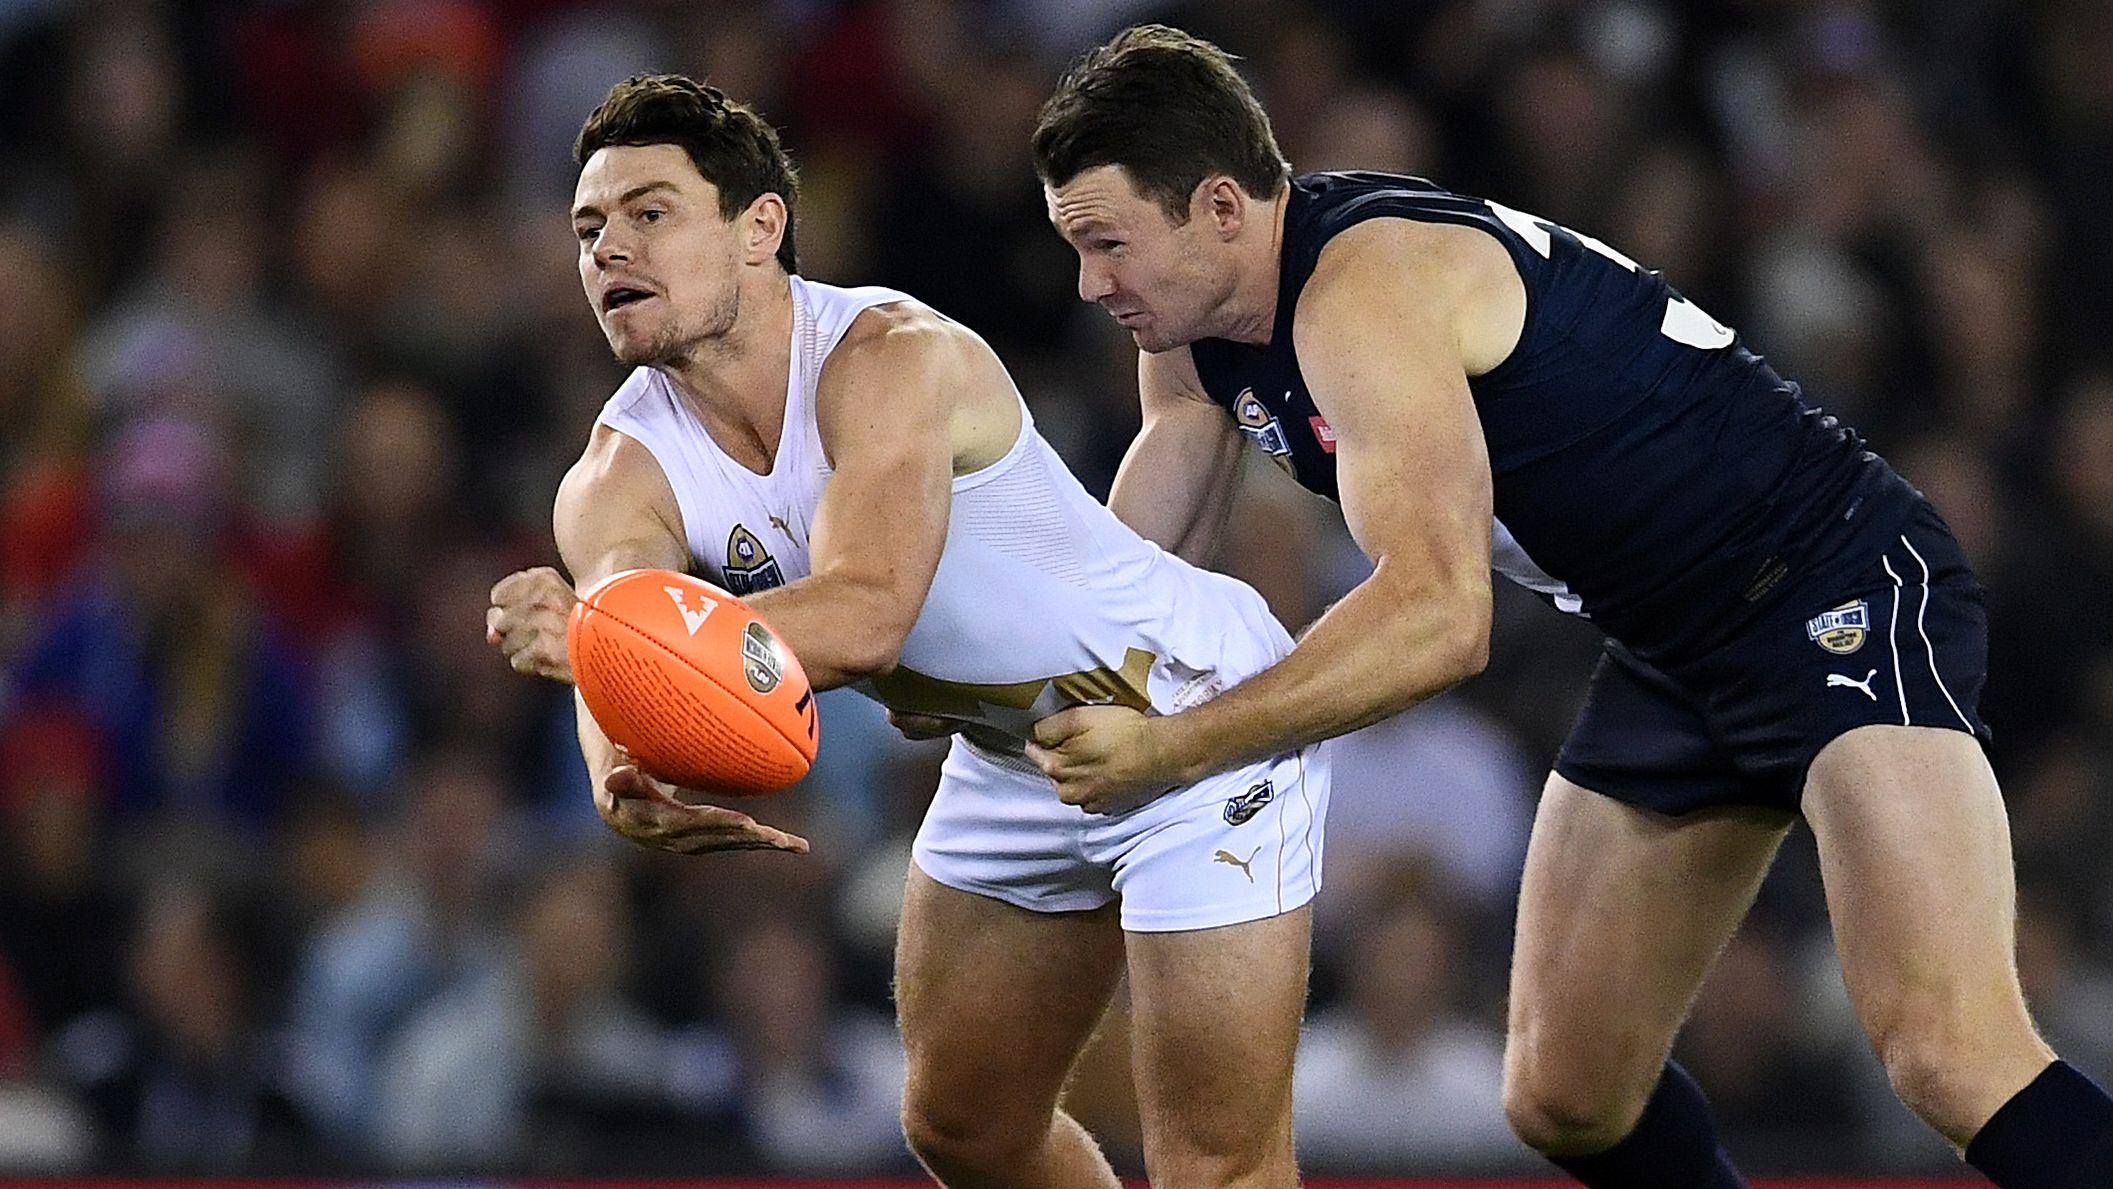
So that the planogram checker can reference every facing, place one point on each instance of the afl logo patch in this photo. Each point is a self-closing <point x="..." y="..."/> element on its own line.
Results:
<point x="1842" y="630"/>
<point x="1238" y="810"/>
<point x="1257" y="422"/>
<point x="749" y="566"/>
<point x="760" y="661"/>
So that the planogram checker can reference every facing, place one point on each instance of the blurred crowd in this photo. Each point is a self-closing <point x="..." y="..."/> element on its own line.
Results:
<point x="298" y="876"/>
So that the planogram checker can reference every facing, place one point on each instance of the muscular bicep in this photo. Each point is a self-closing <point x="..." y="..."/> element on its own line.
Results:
<point x="1385" y="368"/>
<point x="883" y="516"/>
<point x="615" y="511"/>
<point x="1178" y="479"/>
<point x="1424" y="505"/>
<point x="885" y="413"/>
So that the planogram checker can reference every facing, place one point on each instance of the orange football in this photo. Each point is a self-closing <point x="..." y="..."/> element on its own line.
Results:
<point x="694" y="684"/>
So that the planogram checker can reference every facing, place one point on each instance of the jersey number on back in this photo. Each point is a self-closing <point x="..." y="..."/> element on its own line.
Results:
<point x="1684" y="321"/>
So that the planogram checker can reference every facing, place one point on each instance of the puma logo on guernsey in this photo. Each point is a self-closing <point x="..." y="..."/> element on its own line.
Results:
<point x="1835" y="679"/>
<point x="1226" y="856"/>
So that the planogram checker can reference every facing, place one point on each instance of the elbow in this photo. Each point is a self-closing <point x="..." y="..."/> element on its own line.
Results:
<point x="874" y="651"/>
<point x="867" y="621"/>
<point x="870" y="658"/>
<point x="1471" y="653"/>
<point x="1467" y="644"/>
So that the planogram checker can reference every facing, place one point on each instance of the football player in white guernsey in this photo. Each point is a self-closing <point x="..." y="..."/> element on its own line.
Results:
<point x="864" y="472"/>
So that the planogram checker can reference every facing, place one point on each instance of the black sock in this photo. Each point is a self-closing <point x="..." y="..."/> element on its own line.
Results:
<point x="1674" y="1146"/>
<point x="2056" y="1133"/>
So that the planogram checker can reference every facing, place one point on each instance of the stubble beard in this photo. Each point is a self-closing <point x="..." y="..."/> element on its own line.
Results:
<point x="680" y="343"/>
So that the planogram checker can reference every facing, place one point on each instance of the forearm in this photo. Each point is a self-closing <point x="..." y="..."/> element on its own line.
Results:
<point x="1192" y="534"/>
<point x="1383" y="648"/>
<point x="841" y="628"/>
<point x="595" y="745"/>
<point x="1178" y="493"/>
<point x="1184" y="514"/>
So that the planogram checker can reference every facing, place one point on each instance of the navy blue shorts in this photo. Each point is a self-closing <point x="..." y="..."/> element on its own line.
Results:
<point x="1903" y="641"/>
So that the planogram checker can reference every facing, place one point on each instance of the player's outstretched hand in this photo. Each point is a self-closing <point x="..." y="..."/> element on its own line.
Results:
<point x="1103" y="758"/>
<point x="922" y="726"/>
<point x="527" y="622"/>
<point x="647" y="812"/>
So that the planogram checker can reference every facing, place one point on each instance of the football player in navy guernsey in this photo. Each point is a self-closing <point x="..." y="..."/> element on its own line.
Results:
<point x="1791" y="629"/>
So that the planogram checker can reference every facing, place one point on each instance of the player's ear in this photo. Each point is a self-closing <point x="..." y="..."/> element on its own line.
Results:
<point x="764" y="221"/>
<point x="1221" y="200"/>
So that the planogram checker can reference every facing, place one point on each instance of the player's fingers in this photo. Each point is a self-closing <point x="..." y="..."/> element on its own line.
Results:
<point x="764" y="837"/>
<point x="757" y="837"/>
<point x="922" y="726"/>
<point x="540" y="620"/>
<point x="515" y="633"/>
<point x="1051" y="731"/>
<point x="541" y="586"/>
<point x="533" y="658"/>
<point x="626" y="783"/>
<point x="715" y="827"/>
<point x="509" y="588"/>
<point x="1048" y="761"/>
<point x="551" y="660"/>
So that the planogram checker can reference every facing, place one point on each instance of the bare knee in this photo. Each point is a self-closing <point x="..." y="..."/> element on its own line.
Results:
<point x="1224" y="1161"/>
<point x="1207" y="1139"/>
<point x="968" y="1141"/>
<point x="1955" y="1072"/>
<point x="1569" y="1112"/>
<point x="1929" y="1076"/>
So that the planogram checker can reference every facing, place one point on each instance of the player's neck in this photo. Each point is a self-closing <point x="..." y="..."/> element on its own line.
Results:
<point x="1252" y="309"/>
<point x="736" y="382"/>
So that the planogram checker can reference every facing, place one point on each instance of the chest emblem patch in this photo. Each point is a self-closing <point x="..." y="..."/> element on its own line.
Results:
<point x="1258" y="423"/>
<point x="749" y="566"/>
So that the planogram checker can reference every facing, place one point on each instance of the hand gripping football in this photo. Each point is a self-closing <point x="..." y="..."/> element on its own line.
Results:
<point x="692" y="683"/>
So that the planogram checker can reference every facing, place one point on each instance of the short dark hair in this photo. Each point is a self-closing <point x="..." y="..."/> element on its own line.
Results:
<point x="1166" y="106"/>
<point x="733" y="147"/>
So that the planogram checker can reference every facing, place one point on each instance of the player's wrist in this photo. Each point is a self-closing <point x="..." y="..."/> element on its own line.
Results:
<point x="1180" y="753"/>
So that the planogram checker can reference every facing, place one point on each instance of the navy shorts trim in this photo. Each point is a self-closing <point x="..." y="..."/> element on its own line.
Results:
<point x="1904" y="641"/>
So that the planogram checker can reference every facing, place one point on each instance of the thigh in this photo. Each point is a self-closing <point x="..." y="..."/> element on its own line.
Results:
<point x="1914" y="846"/>
<point x="1621" y="913"/>
<point x="1215" y="1022"/>
<point x="995" y="1002"/>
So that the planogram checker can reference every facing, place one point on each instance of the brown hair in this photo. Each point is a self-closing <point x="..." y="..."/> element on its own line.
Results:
<point x="733" y="147"/>
<point x="1166" y="106"/>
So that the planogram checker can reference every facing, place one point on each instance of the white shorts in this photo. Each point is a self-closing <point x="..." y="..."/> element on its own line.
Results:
<point x="1240" y="846"/>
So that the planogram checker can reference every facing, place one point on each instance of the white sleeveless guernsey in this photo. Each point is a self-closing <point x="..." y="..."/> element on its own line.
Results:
<point x="1042" y="600"/>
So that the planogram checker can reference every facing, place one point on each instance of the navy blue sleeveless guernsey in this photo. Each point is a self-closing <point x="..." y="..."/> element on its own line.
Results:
<point x="1650" y="472"/>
